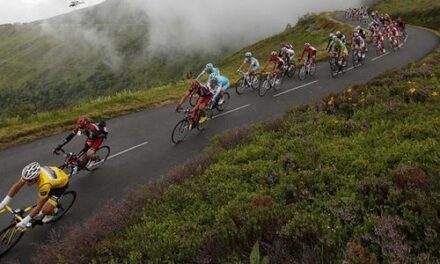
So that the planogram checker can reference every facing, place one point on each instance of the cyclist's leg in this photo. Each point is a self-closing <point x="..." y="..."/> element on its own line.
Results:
<point x="54" y="197"/>
<point x="91" y="152"/>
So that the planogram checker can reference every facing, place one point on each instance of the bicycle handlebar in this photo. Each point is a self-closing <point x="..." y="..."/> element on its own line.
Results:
<point x="9" y="209"/>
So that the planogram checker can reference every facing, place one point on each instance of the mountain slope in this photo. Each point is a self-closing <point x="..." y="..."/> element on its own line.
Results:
<point x="59" y="62"/>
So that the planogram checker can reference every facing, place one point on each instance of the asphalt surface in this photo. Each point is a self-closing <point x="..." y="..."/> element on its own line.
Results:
<point x="155" y="154"/>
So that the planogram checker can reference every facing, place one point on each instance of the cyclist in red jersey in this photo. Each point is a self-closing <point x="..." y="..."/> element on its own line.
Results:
<point x="205" y="96"/>
<point x="277" y="63"/>
<point x="95" y="133"/>
<point x="311" y="53"/>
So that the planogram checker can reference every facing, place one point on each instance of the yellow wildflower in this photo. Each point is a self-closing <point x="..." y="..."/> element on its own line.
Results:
<point x="349" y="90"/>
<point x="412" y="90"/>
<point x="434" y="94"/>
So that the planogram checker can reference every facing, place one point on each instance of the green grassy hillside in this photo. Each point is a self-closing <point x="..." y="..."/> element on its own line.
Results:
<point x="53" y="64"/>
<point x="421" y="12"/>
<point x="352" y="179"/>
<point x="21" y="129"/>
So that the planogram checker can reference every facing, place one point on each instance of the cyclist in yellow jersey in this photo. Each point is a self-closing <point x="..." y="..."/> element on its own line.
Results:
<point x="52" y="182"/>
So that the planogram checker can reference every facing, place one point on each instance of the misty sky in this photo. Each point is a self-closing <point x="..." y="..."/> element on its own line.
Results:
<point x="29" y="10"/>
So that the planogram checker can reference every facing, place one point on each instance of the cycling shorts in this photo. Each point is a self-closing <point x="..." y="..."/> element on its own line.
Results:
<point x="56" y="194"/>
<point x="94" y="143"/>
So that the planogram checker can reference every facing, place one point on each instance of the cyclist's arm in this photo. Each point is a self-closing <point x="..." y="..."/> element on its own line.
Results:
<point x="241" y="66"/>
<point x="186" y="97"/>
<point x="302" y="55"/>
<point x="40" y="203"/>
<point x="16" y="188"/>
<point x="200" y="75"/>
<point x="249" y="68"/>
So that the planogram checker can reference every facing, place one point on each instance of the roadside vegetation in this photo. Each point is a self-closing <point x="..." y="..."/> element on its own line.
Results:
<point x="421" y="12"/>
<point x="22" y="128"/>
<point x="351" y="179"/>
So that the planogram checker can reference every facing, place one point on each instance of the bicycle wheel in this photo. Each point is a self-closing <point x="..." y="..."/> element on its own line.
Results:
<point x="180" y="131"/>
<point x="291" y="71"/>
<point x="193" y="99"/>
<point x="355" y="59"/>
<point x="312" y="69"/>
<point x="256" y="82"/>
<point x="226" y="97"/>
<point x="264" y="87"/>
<point x="302" y="73"/>
<point x="241" y="86"/>
<point x="334" y="68"/>
<point x="101" y="157"/>
<point x="278" y="82"/>
<point x="64" y="204"/>
<point x="9" y="237"/>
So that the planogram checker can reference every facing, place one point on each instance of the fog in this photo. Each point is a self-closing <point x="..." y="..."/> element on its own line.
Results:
<point x="176" y="26"/>
<point x="212" y="24"/>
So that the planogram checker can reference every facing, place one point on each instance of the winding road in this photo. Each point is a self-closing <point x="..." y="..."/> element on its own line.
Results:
<point x="142" y="149"/>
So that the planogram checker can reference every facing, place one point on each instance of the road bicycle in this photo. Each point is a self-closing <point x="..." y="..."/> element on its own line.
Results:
<point x="337" y="65"/>
<point x="288" y="69"/>
<point x="380" y="49"/>
<point x="270" y="81"/>
<point x="358" y="57"/>
<point x="308" y="69"/>
<point x="72" y="161"/>
<point x="247" y="82"/>
<point x="11" y="235"/>
<point x="187" y="124"/>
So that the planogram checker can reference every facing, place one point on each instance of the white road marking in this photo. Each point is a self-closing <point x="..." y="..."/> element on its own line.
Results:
<point x="231" y="111"/>
<point x="381" y="56"/>
<point x="296" y="88"/>
<point x="127" y="150"/>
<point x="351" y="68"/>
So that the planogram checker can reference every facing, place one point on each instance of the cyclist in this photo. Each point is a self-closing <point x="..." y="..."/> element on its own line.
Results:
<point x="52" y="183"/>
<point x="341" y="36"/>
<point x="205" y="95"/>
<point x="209" y="69"/>
<point x="401" y="25"/>
<point x="288" y="55"/>
<point x="311" y="53"/>
<point x="277" y="62"/>
<point x="394" y="33"/>
<point x="379" y="39"/>
<point x="330" y="41"/>
<point x="358" y="43"/>
<point x="95" y="133"/>
<point x="340" y="50"/>
<point x="254" y="64"/>
<point x="218" y="84"/>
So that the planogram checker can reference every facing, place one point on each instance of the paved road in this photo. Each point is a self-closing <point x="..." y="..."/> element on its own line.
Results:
<point x="156" y="155"/>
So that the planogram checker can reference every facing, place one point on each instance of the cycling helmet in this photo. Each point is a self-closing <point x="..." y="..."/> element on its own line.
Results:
<point x="338" y="33"/>
<point x="273" y="54"/>
<point x="306" y="44"/>
<point x="283" y="49"/>
<point x="209" y="66"/>
<point x="248" y="54"/>
<point x="31" y="171"/>
<point x="82" y="121"/>
<point x="357" y="28"/>
<point x="356" y="34"/>
<point x="331" y="35"/>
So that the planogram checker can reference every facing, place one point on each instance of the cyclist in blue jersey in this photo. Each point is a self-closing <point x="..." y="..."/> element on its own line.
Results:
<point x="218" y="84"/>
<point x="209" y="69"/>
<point x="254" y="65"/>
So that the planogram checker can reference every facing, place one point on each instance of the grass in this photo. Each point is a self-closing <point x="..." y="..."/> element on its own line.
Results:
<point x="421" y="12"/>
<point x="23" y="129"/>
<point x="354" y="179"/>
